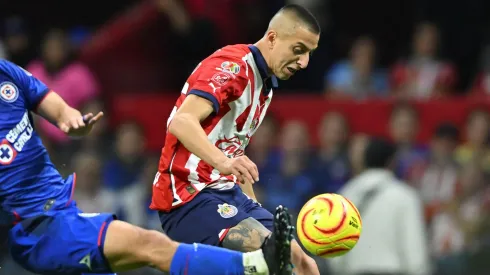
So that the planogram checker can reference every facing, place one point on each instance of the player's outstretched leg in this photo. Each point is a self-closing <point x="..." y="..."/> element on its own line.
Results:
<point x="127" y="247"/>
<point x="249" y="234"/>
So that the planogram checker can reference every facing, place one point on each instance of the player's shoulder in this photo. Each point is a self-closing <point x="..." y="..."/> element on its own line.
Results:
<point x="229" y="57"/>
<point x="7" y="66"/>
<point x="238" y="51"/>
<point x="12" y="70"/>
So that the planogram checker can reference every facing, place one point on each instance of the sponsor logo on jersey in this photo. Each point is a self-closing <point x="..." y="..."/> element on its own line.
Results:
<point x="227" y="211"/>
<point x="8" y="92"/>
<point x="231" y="67"/>
<point x="21" y="133"/>
<point x="232" y="147"/>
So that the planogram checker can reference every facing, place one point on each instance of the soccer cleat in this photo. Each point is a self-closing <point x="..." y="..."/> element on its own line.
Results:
<point x="277" y="248"/>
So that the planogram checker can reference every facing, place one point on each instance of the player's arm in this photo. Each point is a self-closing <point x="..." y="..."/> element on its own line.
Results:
<point x="186" y="127"/>
<point x="53" y="108"/>
<point x="40" y="99"/>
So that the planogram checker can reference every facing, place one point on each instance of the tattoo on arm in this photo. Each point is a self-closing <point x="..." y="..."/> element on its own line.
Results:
<point x="247" y="236"/>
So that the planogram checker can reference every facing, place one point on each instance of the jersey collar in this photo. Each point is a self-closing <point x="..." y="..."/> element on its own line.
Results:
<point x="263" y="68"/>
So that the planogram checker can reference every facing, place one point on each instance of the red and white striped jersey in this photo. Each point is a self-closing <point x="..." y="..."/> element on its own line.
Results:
<point x="236" y="81"/>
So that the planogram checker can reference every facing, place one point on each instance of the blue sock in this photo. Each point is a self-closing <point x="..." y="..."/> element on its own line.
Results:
<point x="202" y="259"/>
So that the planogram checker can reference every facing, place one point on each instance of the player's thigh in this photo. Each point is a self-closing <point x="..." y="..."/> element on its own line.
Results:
<point x="260" y="214"/>
<point x="206" y="219"/>
<point x="128" y="247"/>
<point x="250" y="233"/>
<point x="66" y="243"/>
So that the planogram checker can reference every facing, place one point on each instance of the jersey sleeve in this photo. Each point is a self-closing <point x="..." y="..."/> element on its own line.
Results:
<point x="32" y="89"/>
<point x="219" y="80"/>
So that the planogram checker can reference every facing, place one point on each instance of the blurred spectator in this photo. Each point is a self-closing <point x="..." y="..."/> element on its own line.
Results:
<point x="262" y="149"/>
<point x="481" y="86"/>
<point x="264" y="152"/>
<point x="190" y="25"/>
<point x="125" y="166"/>
<point x="357" y="145"/>
<point x="78" y="36"/>
<point x="99" y="140"/>
<point x="124" y="169"/>
<point x="330" y="165"/>
<point x="458" y="227"/>
<point x="423" y="75"/>
<point x="393" y="240"/>
<point x="476" y="142"/>
<point x="136" y="198"/>
<point x="358" y="77"/>
<point x="437" y="182"/>
<point x="403" y="130"/>
<point x="290" y="184"/>
<point x="90" y="195"/>
<point x="62" y="73"/>
<point x="18" y="46"/>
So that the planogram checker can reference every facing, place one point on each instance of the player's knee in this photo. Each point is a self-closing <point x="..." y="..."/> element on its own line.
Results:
<point x="248" y="235"/>
<point x="153" y="242"/>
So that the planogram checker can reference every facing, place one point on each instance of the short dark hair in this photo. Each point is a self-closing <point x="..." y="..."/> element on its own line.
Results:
<point x="379" y="153"/>
<point x="305" y="16"/>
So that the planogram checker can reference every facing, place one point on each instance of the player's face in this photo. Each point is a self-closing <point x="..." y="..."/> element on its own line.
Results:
<point x="291" y="53"/>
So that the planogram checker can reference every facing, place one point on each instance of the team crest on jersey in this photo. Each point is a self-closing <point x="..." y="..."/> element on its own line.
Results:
<point x="254" y="124"/>
<point x="220" y="78"/>
<point x="8" y="92"/>
<point x="231" y="67"/>
<point x="227" y="211"/>
<point x="7" y="153"/>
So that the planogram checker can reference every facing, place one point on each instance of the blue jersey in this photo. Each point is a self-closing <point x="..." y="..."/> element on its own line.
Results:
<point x="29" y="183"/>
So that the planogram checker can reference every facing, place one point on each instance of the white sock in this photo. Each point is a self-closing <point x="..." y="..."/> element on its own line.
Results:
<point x="254" y="263"/>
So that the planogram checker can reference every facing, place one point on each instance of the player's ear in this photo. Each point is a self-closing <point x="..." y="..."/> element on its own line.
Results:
<point x="271" y="38"/>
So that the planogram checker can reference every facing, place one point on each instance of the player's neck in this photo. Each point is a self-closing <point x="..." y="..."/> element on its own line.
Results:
<point x="263" y="48"/>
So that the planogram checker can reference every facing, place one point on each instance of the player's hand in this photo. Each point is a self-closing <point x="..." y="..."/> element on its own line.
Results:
<point x="74" y="124"/>
<point x="242" y="167"/>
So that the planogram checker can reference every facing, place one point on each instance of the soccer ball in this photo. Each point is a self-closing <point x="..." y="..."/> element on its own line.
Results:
<point x="329" y="225"/>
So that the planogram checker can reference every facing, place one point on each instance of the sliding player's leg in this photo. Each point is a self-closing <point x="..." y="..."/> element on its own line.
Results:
<point x="71" y="242"/>
<point x="127" y="247"/>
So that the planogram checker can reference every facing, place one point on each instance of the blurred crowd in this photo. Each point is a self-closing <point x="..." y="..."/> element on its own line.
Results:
<point x="450" y="173"/>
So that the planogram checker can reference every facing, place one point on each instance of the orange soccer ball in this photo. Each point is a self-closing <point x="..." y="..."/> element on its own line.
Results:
<point x="329" y="225"/>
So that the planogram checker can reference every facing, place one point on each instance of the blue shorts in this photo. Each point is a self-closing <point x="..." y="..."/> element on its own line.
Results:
<point x="208" y="217"/>
<point x="67" y="242"/>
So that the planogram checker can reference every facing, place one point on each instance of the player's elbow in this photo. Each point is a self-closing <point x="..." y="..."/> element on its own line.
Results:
<point x="179" y="123"/>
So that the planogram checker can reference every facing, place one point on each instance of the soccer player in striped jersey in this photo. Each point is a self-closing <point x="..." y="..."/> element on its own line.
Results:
<point x="203" y="188"/>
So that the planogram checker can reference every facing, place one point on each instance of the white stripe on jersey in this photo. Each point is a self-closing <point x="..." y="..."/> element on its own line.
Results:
<point x="177" y="198"/>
